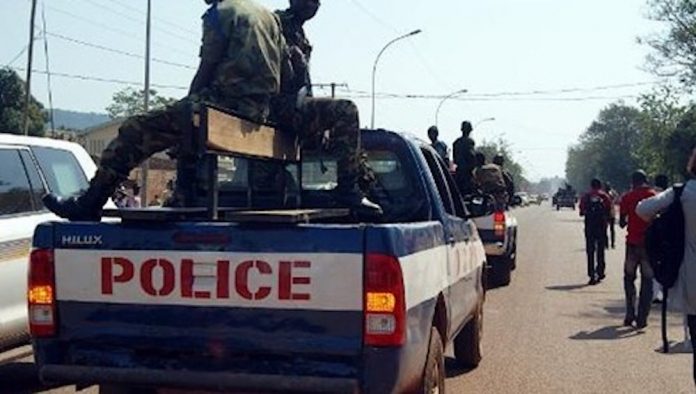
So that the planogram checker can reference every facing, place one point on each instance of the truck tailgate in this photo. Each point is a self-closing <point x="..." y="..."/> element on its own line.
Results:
<point x="242" y="299"/>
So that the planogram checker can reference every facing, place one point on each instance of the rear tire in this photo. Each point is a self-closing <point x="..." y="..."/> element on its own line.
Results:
<point x="467" y="345"/>
<point x="434" y="373"/>
<point x="500" y="273"/>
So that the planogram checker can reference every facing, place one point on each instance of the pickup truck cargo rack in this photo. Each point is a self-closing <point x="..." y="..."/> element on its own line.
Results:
<point x="286" y="216"/>
<point x="216" y="132"/>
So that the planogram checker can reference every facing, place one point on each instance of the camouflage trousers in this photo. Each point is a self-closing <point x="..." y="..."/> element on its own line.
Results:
<point x="339" y="121"/>
<point x="139" y="137"/>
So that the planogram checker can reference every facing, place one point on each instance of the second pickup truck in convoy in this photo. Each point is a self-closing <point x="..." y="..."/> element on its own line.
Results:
<point x="322" y="304"/>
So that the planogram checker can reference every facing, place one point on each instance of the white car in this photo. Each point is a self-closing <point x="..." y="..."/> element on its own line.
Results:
<point x="29" y="168"/>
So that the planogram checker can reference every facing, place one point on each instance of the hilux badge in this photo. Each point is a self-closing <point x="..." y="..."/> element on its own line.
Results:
<point x="81" y="240"/>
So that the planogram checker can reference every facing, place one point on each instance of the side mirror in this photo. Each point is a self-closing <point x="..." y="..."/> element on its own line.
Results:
<point x="480" y="205"/>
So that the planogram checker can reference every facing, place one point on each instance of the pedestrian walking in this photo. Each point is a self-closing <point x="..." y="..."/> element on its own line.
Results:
<point x="684" y="292"/>
<point x="611" y="241"/>
<point x="594" y="207"/>
<point x="636" y="255"/>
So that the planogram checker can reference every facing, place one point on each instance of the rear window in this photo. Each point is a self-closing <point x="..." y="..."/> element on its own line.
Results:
<point x="62" y="171"/>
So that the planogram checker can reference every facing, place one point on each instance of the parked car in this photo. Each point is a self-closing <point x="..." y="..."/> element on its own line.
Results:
<point x="30" y="167"/>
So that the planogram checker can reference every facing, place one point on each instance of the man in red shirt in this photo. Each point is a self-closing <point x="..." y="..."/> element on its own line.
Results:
<point x="595" y="206"/>
<point x="636" y="255"/>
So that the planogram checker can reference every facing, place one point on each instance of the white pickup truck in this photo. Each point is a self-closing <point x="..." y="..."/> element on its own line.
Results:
<point x="498" y="233"/>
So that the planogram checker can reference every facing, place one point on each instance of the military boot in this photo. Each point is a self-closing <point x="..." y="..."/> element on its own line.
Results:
<point x="87" y="206"/>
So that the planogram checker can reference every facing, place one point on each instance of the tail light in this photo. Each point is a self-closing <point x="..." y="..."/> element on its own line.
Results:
<point x="41" y="294"/>
<point x="499" y="224"/>
<point x="385" y="304"/>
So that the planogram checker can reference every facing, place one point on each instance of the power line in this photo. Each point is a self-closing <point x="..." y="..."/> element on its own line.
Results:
<point x="136" y="20"/>
<point x="123" y="33"/>
<point x="48" y="71"/>
<point x="101" y="79"/>
<point x="117" y="51"/>
<point x="483" y="96"/>
<point x="140" y="12"/>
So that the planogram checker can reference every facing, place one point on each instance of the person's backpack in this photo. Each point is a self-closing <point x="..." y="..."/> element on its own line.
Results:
<point x="664" y="243"/>
<point x="595" y="210"/>
<point x="490" y="178"/>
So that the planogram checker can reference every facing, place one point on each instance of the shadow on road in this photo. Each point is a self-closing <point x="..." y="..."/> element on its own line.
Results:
<point x="453" y="369"/>
<point x="607" y="334"/>
<point x="567" y="287"/>
<point x="676" y="348"/>
<point x="21" y="378"/>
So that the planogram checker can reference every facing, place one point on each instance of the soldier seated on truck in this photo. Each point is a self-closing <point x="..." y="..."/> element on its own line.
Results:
<point x="490" y="180"/>
<point x="311" y="117"/>
<point x="242" y="54"/>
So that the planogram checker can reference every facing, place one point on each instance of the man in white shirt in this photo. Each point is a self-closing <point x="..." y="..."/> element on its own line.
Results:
<point x="684" y="291"/>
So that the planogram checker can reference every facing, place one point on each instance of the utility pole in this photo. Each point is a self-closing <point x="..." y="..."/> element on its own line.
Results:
<point x="332" y="85"/>
<point x="48" y="73"/>
<point x="145" y="168"/>
<point x="25" y="120"/>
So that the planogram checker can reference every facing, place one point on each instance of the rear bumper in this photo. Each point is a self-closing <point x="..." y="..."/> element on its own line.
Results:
<point x="196" y="380"/>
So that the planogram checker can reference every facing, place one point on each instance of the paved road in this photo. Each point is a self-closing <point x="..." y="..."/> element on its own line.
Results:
<point x="549" y="333"/>
<point x="545" y="333"/>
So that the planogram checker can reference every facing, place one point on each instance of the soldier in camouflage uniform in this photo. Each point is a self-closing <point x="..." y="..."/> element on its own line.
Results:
<point x="313" y="116"/>
<point x="241" y="56"/>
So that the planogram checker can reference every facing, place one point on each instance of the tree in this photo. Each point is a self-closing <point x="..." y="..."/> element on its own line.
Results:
<point x="608" y="149"/>
<point x="680" y="142"/>
<point x="661" y="112"/>
<point x="129" y="102"/>
<point x="12" y="93"/>
<point x="675" y="48"/>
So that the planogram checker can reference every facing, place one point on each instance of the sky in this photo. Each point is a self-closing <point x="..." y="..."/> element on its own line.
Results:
<point x="542" y="68"/>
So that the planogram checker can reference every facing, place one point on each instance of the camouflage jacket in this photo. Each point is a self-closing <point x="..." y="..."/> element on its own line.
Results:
<point x="245" y="41"/>
<point x="295" y="37"/>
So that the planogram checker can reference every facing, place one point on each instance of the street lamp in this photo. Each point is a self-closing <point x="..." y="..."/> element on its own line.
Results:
<point x="449" y="96"/>
<point x="484" y="120"/>
<point x="374" y="69"/>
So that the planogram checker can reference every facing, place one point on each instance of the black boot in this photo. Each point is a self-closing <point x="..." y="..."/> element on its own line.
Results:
<point x="87" y="206"/>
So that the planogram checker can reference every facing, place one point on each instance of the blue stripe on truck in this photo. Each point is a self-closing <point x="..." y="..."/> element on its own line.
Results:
<point x="244" y="340"/>
<point x="205" y="237"/>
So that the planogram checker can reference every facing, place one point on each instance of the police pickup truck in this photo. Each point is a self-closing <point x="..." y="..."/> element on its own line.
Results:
<point x="243" y="303"/>
<point x="498" y="233"/>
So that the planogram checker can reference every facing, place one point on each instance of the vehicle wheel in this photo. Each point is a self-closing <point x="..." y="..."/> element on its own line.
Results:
<point x="513" y="258"/>
<point x="467" y="345"/>
<point x="434" y="373"/>
<point x="500" y="273"/>
<point x="558" y="207"/>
